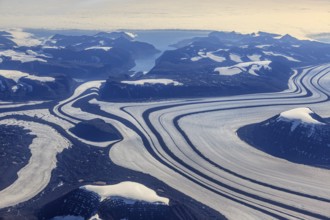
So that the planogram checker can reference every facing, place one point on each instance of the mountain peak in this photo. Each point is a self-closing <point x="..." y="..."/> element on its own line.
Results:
<point x="288" y="38"/>
<point x="301" y="115"/>
<point x="298" y="135"/>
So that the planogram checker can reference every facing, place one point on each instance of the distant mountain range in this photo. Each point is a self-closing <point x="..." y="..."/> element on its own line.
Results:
<point x="65" y="58"/>
<point x="223" y="63"/>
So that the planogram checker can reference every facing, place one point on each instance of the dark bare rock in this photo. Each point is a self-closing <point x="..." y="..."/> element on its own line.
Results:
<point x="96" y="130"/>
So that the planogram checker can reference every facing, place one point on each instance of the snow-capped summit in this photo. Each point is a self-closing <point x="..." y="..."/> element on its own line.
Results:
<point x="301" y="115"/>
<point x="289" y="38"/>
<point x="128" y="190"/>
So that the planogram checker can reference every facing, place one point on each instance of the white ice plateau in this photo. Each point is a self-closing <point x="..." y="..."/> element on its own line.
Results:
<point x="129" y="190"/>
<point x="302" y="115"/>
<point x="153" y="81"/>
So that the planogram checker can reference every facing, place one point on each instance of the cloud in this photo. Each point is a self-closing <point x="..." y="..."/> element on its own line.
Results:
<point x="242" y="15"/>
<point x="323" y="37"/>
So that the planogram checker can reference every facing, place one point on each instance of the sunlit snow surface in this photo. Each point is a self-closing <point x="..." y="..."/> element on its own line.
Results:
<point x="236" y="58"/>
<point x="99" y="48"/>
<point x="299" y="117"/>
<point x="300" y="114"/>
<point x="21" y="56"/>
<point x="281" y="55"/>
<point x="129" y="190"/>
<point x="254" y="57"/>
<point x="153" y="81"/>
<point x="130" y="34"/>
<point x="250" y="67"/>
<point x="22" y="38"/>
<point x="17" y="75"/>
<point x="209" y="55"/>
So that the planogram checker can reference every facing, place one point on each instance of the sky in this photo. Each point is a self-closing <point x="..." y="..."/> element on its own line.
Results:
<point x="296" y="17"/>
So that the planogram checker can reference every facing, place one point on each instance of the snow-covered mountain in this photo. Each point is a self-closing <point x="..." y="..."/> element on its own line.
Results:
<point x="222" y="63"/>
<point x="225" y="63"/>
<point x="126" y="200"/>
<point x="22" y="86"/>
<point x="298" y="135"/>
<point x="103" y="41"/>
<point x="63" y="57"/>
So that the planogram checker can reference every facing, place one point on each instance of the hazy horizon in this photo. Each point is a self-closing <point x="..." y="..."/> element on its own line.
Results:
<point x="298" y="18"/>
